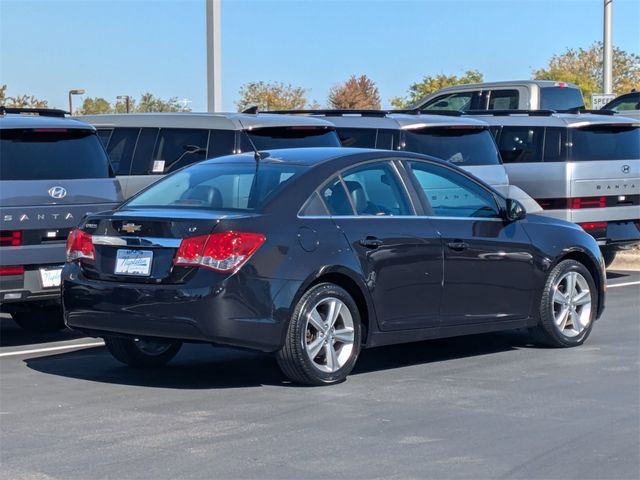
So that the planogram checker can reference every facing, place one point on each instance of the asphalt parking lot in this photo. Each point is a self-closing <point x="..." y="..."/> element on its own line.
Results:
<point x="488" y="406"/>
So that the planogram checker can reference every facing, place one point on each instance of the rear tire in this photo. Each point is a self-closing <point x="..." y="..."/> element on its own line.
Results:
<point x="142" y="353"/>
<point x="568" y="306"/>
<point x="40" y="320"/>
<point x="323" y="338"/>
<point x="609" y="255"/>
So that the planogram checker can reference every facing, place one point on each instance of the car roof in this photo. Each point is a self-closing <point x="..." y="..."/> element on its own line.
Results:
<point x="223" y="121"/>
<point x="19" y="121"/>
<point x="571" y="120"/>
<point x="508" y="83"/>
<point x="400" y="121"/>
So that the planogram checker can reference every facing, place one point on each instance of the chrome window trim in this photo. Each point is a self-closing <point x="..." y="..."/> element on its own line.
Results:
<point x="115" y="241"/>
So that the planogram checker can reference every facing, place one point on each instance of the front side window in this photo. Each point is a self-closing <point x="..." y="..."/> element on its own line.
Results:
<point x="450" y="194"/>
<point x="120" y="149"/>
<point x="521" y="144"/>
<point x="452" y="101"/>
<point x="605" y="142"/>
<point x="218" y="186"/>
<point x="504" y="100"/>
<point x="178" y="147"/>
<point x="374" y="189"/>
<point x="462" y="146"/>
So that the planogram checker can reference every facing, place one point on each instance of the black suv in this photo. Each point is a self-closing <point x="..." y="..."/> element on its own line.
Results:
<point x="53" y="170"/>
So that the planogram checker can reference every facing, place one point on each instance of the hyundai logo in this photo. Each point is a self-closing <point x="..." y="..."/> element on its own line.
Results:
<point x="57" y="192"/>
<point x="626" y="168"/>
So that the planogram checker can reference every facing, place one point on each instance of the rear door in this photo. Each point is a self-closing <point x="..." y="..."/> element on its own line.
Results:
<point x="488" y="265"/>
<point x="400" y="253"/>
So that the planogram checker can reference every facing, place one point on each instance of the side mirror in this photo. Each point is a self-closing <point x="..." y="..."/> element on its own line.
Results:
<point x="515" y="210"/>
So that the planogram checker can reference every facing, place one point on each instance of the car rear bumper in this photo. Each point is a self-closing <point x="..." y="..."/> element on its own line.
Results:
<point x="241" y="311"/>
<point x="16" y="289"/>
<point x="621" y="234"/>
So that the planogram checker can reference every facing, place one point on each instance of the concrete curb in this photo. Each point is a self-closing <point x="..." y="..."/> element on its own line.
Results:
<point x="627" y="260"/>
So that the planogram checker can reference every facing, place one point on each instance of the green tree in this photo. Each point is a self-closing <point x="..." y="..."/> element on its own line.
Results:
<point x="20" y="101"/>
<point x="3" y="94"/>
<point x="271" y="96"/>
<point x="356" y="93"/>
<point x="92" y="106"/>
<point x="150" y="103"/>
<point x="430" y="84"/>
<point x="584" y="68"/>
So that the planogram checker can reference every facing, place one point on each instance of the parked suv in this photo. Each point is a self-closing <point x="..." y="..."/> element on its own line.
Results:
<point x="464" y="142"/>
<point x="511" y="95"/>
<point x="144" y="147"/>
<point x="627" y="104"/>
<point x="584" y="168"/>
<point x="53" y="170"/>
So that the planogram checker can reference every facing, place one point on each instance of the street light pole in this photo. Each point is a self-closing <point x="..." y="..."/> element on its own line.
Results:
<point x="214" y="64"/>
<point x="607" y="57"/>
<point x="127" y="101"/>
<point x="75" y="91"/>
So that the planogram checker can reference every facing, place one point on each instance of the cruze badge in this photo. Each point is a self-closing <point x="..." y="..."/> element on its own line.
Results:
<point x="130" y="227"/>
<point x="57" y="192"/>
<point x="626" y="168"/>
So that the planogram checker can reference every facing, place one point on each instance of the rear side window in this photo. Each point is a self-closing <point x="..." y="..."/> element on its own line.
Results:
<point x="221" y="142"/>
<point x="560" y="98"/>
<point x="504" y="100"/>
<point x="120" y="149"/>
<point x="461" y="146"/>
<point x="179" y="147"/>
<point x="52" y="154"/>
<point x="357" y="137"/>
<point x="218" y="186"/>
<point x="335" y="198"/>
<point x="270" y="138"/>
<point x="141" y="164"/>
<point x="605" y="143"/>
<point x="521" y="144"/>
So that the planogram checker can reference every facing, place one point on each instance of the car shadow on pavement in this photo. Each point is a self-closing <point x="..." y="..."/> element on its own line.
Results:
<point x="203" y="367"/>
<point x="11" y="335"/>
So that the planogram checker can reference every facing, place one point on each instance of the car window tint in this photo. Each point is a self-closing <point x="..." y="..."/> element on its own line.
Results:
<point x="335" y="198"/>
<point x="120" y="149"/>
<point x="521" y="144"/>
<point x="314" y="206"/>
<point x="605" y="142"/>
<point x="453" y="195"/>
<point x="560" y="98"/>
<point x="221" y="142"/>
<point x="178" y="147"/>
<point x="626" y="102"/>
<point x="375" y="190"/>
<point x="452" y="101"/>
<point x="269" y="138"/>
<point x="555" y="144"/>
<point x="388" y="139"/>
<point x="104" y="134"/>
<point x="141" y="164"/>
<point x="357" y="137"/>
<point x="504" y="100"/>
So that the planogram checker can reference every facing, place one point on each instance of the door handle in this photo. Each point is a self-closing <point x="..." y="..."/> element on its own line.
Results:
<point x="458" y="245"/>
<point x="370" y="242"/>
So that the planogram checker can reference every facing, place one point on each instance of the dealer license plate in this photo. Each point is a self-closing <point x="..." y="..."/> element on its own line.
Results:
<point x="50" y="277"/>
<point x="134" y="262"/>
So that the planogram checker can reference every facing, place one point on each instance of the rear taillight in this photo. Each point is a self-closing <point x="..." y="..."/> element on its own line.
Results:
<point x="224" y="252"/>
<point x="10" y="238"/>
<point x="79" y="246"/>
<point x="15" y="270"/>
<point x="587" y="202"/>
<point x="593" y="225"/>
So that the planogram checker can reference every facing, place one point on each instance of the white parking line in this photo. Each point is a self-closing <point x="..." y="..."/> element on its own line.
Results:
<point x="52" y="349"/>
<point x="627" y="284"/>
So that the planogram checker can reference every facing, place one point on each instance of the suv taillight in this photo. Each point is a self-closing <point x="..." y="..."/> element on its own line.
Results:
<point x="79" y="246"/>
<point x="13" y="270"/>
<point x="223" y="252"/>
<point x="10" y="238"/>
<point x="588" y="202"/>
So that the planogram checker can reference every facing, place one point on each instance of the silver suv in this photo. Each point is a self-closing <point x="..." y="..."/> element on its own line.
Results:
<point x="53" y="170"/>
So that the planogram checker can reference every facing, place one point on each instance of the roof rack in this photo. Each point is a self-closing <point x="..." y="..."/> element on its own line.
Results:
<point x="579" y="111"/>
<point x="43" y="112"/>
<point x="532" y="113"/>
<point x="332" y="112"/>
<point x="417" y="111"/>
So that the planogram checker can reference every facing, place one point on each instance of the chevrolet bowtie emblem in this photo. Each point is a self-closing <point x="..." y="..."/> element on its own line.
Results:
<point x="130" y="227"/>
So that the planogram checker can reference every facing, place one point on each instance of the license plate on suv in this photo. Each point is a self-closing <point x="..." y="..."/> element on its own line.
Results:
<point x="134" y="262"/>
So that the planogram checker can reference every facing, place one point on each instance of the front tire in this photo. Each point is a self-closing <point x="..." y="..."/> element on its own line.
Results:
<point x="568" y="306"/>
<point x="40" y="320"/>
<point x="142" y="353"/>
<point x="323" y="338"/>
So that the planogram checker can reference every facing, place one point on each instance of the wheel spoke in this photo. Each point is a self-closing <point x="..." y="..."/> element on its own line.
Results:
<point x="575" y="321"/>
<point x="334" y="312"/>
<point x="559" y="297"/>
<point x="314" y="347"/>
<point x="571" y="284"/>
<point x="332" y="359"/>
<point x="316" y="320"/>
<point x="582" y="298"/>
<point x="561" y="319"/>
<point x="344" y="335"/>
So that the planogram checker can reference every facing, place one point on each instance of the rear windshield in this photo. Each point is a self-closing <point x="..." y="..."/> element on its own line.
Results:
<point x="51" y="154"/>
<point x="605" y="143"/>
<point x="560" y="98"/>
<point x="289" y="137"/>
<point x="218" y="186"/>
<point x="460" y="146"/>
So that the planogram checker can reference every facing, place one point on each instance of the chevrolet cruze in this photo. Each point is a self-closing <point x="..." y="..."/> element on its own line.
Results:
<point x="314" y="254"/>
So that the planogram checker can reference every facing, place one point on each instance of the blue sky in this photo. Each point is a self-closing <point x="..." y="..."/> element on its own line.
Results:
<point x="116" y="47"/>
